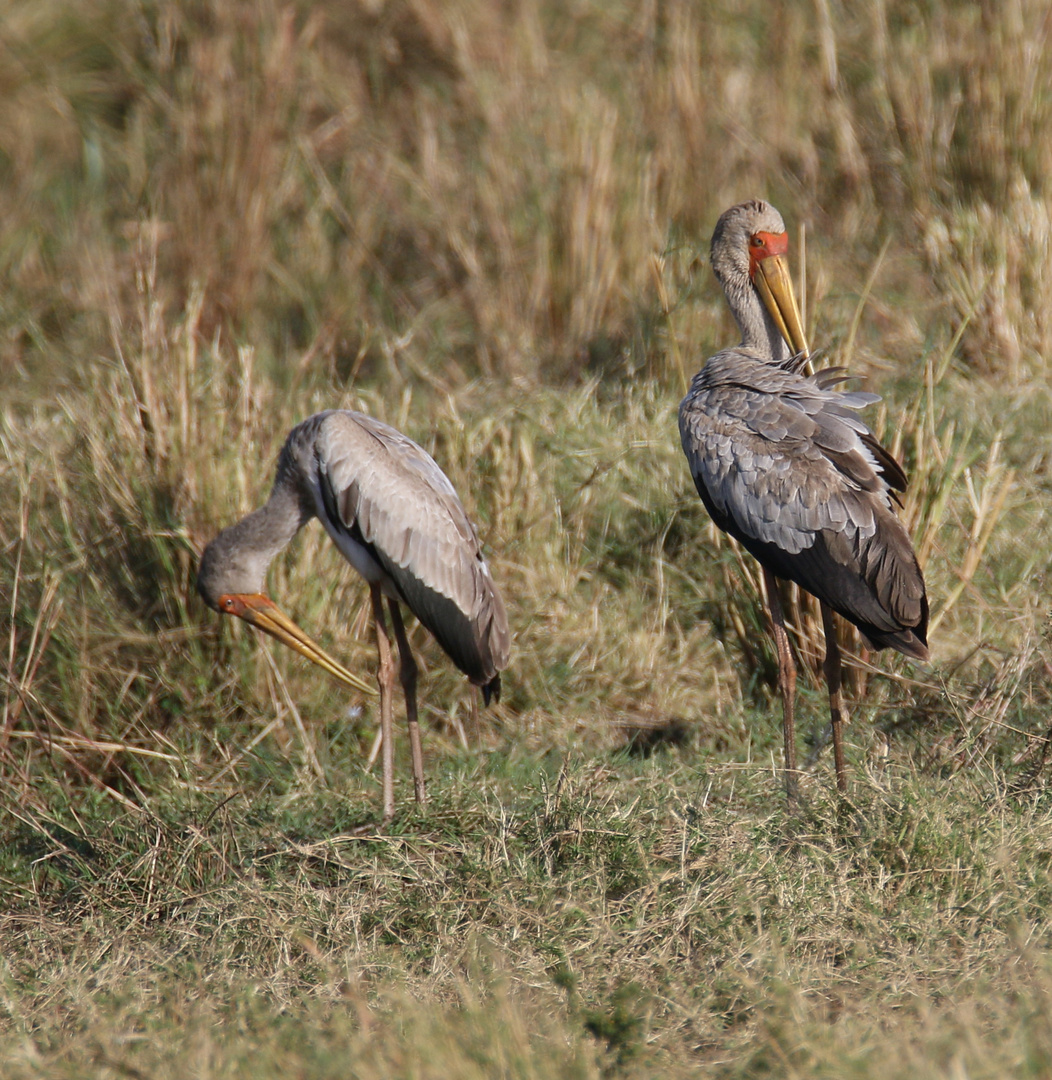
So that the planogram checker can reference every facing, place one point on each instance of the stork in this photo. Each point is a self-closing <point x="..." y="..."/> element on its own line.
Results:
<point x="397" y="520"/>
<point x="785" y="466"/>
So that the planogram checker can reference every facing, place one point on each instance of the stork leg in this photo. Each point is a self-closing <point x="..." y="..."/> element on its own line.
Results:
<point x="786" y="684"/>
<point x="385" y="680"/>
<point x="832" y="668"/>
<point x="407" y="674"/>
<point x="476" y="727"/>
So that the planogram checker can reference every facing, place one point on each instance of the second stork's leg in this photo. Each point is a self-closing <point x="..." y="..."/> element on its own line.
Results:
<point x="385" y="680"/>
<point x="407" y="674"/>
<point x="476" y="727"/>
<point x="832" y="668"/>
<point x="786" y="684"/>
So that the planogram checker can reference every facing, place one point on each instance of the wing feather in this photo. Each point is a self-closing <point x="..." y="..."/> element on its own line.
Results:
<point x="784" y="464"/>
<point x="388" y="494"/>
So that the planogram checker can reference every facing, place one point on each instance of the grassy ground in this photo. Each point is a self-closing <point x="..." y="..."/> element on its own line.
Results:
<point x="487" y="224"/>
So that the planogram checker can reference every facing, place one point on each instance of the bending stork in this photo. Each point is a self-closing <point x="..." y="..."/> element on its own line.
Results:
<point x="395" y="517"/>
<point x="783" y="464"/>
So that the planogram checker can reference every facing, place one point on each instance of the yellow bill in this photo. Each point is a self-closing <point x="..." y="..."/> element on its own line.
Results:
<point x="265" y="615"/>
<point x="772" y="280"/>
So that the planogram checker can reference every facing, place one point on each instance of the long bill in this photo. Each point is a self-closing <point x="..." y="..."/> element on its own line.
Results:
<point x="265" y="615"/>
<point x="771" y="278"/>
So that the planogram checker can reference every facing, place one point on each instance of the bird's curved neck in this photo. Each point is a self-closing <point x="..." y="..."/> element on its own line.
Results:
<point x="759" y="331"/>
<point x="236" y="561"/>
<point x="276" y="522"/>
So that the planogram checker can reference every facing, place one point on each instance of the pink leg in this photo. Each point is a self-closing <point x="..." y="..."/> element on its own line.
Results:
<point x="832" y="668"/>
<point x="385" y="680"/>
<point x="476" y="728"/>
<point x="407" y="674"/>
<point x="786" y="684"/>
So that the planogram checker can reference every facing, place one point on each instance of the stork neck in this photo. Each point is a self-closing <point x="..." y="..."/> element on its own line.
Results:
<point x="276" y="522"/>
<point x="759" y="330"/>
<point x="236" y="561"/>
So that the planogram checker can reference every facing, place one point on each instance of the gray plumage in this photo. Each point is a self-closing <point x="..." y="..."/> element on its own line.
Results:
<point x="395" y="516"/>
<point x="784" y="464"/>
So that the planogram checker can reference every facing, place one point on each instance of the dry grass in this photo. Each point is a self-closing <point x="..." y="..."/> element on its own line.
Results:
<point x="579" y="923"/>
<point x="486" y="224"/>
<point x="453" y="187"/>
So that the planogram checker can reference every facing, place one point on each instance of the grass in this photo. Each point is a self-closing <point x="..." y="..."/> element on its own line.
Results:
<point x="576" y="921"/>
<point x="487" y="225"/>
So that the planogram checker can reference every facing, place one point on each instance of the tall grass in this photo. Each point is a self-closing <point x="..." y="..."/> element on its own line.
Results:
<point x="219" y="218"/>
<point x="460" y="188"/>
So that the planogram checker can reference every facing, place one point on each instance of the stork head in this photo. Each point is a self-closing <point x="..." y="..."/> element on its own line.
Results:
<point x="231" y="564"/>
<point x="230" y="580"/>
<point x="749" y="254"/>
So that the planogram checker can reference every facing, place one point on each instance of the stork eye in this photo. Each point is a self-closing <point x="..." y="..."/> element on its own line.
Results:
<point x="757" y="241"/>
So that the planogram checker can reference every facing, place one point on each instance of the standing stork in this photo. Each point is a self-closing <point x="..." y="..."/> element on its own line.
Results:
<point x="395" y="517"/>
<point x="783" y="464"/>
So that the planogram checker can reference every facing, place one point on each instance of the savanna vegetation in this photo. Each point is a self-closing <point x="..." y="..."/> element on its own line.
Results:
<point x="487" y="223"/>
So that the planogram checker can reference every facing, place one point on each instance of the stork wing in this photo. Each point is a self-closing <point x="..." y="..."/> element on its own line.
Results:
<point x="391" y="497"/>
<point x="785" y="466"/>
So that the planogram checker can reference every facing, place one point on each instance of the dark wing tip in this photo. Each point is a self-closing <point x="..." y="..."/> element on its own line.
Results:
<point x="909" y="642"/>
<point x="893" y="473"/>
<point x="491" y="690"/>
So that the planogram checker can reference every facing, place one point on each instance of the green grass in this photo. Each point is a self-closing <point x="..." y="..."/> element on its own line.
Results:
<point x="487" y="225"/>
<point x="570" y="917"/>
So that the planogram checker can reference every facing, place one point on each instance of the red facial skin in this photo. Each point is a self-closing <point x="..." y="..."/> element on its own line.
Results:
<point x="764" y="244"/>
<point x="240" y="604"/>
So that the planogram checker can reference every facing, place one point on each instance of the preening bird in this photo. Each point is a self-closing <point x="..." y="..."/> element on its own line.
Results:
<point x="395" y="517"/>
<point x="785" y="466"/>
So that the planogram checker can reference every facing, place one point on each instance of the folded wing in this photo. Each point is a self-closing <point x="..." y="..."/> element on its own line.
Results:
<point x="784" y="464"/>
<point x="392" y="498"/>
